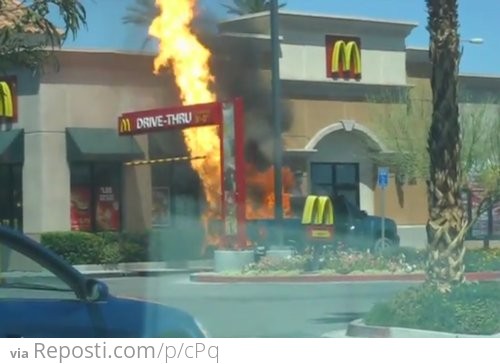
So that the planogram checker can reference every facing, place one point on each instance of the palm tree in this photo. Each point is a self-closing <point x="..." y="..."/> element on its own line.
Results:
<point x="243" y="7"/>
<point x="141" y="13"/>
<point x="28" y="34"/>
<point x="447" y="219"/>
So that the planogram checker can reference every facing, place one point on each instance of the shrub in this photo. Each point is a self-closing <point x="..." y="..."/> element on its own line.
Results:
<point x="267" y="264"/>
<point x="343" y="262"/>
<point x="478" y="260"/>
<point x="132" y="247"/>
<point x="472" y="308"/>
<point x="410" y="255"/>
<point x="101" y="248"/>
<point x="77" y="247"/>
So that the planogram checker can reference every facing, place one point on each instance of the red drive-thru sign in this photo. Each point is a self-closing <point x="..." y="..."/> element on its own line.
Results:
<point x="228" y="116"/>
<point x="172" y="118"/>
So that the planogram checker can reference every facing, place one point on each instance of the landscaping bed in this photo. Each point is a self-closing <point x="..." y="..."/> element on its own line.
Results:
<point x="397" y="261"/>
<point x="470" y="308"/>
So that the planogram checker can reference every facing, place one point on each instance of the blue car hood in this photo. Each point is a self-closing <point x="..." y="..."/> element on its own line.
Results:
<point x="139" y="318"/>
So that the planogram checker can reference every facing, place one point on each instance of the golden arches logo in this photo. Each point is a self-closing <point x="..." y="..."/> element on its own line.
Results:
<point x="7" y="108"/>
<point x="125" y="125"/>
<point x="318" y="214"/>
<point x="346" y="58"/>
<point x="318" y="210"/>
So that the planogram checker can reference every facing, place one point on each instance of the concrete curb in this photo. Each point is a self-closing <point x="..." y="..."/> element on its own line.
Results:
<point x="316" y="278"/>
<point x="138" y="273"/>
<point x="142" y="269"/>
<point x="336" y="334"/>
<point x="358" y="329"/>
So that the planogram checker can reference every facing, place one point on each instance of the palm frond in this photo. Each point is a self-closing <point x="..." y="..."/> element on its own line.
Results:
<point x="243" y="7"/>
<point x="141" y="13"/>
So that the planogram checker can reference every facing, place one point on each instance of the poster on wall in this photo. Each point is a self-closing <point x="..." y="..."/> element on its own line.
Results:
<point x="107" y="209"/>
<point x="161" y="206"/>
<point x="80" y="209"/>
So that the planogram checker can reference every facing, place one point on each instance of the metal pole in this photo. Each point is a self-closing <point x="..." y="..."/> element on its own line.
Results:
<point x="276" y="99"/>
<point x="382" y="207"/>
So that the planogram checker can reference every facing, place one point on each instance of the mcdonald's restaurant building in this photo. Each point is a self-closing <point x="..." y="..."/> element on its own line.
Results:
<point x="63" y="165"/>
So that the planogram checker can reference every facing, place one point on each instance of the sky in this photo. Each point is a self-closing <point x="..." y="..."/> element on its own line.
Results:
<point x="105" y="29"/>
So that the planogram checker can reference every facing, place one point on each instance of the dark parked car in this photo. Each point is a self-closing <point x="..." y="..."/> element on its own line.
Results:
<point x="353" y="228"/>
<point x="42" y="296"/>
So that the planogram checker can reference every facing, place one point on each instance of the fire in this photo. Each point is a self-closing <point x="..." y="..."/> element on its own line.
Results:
<point x="260" y="199"/>
<point x="181" y="51"/>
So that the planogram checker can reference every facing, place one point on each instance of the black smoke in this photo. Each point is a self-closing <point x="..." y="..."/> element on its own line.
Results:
<point x="242" y="69"/>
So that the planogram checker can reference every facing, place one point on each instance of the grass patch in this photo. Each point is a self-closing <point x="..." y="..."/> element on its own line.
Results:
<point x="470" y="308"/>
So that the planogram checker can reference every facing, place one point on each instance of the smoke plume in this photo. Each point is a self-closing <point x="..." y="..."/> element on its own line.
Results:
<point x="237" y="66"/>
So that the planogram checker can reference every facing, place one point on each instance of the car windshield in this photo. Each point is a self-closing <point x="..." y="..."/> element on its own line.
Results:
<point x="249" y="168"/>
<point x="20" y="273"/>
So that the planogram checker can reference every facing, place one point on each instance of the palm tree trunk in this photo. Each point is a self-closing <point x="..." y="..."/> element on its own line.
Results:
<point x="447" y="219"/>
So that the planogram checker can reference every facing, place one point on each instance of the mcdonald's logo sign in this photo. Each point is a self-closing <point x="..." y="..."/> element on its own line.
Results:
<point x="8" y="99"/>
<point x="343" y="57"/>
<point x="124" y="125"/>
<point x="318" y="214"/>
<point x="202" y="117"/>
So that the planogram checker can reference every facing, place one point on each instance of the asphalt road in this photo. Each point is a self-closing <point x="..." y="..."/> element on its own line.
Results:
<point x="261" y="310"/>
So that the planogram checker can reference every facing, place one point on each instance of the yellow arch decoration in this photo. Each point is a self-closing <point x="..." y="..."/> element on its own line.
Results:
<point x="7" y="104"/>
<point x="318" y="210"/>
<point x="349" y="53"/>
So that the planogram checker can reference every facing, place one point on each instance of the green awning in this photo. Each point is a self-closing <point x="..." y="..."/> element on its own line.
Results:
<point x="96" y="144"/>
<point x="12" y="146"/>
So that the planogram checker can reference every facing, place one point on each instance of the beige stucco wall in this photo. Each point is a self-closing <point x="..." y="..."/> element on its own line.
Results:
<point x="90" y="89"/>
<point x="406" y="204"/>
<point x="304" y="57"/>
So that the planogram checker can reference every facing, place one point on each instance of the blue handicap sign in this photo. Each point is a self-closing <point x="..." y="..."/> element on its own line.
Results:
<point x="383" y="176"/>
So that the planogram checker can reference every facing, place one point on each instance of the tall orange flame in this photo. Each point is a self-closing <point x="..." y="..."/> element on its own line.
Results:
<point x="182" y="52"/>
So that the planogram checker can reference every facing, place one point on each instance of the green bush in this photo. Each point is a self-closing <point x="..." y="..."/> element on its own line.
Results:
<point x="132" y="247"/>
<point x="345" y="262"/>
<point x="78" y="247"/>
<point x="472" y="308"/>
<point x="481" y="260"/>
<point x="267" y="264"/>
<point x="101" y="248"/>
<point x="410" y="255"/>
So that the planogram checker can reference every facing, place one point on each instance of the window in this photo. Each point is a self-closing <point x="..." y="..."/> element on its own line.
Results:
<point x="96" y="196"/>
<point x="22" y="277"/>
<point x="336" y="179"/>
<point x="321" y="173"/>
<point x="11" y="209"/>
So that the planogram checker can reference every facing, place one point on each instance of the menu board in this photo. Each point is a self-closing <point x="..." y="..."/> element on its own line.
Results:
<point x="161" y="206"/>
<point x="80" y="209"/>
